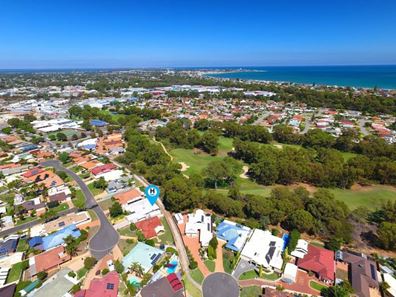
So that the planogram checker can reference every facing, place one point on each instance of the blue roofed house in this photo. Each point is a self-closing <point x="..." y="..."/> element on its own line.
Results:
<point x="234" y="234"/>
<point x="98" y="123"/>
<point x="54" y="239"/>
<point x="8" y="246"/>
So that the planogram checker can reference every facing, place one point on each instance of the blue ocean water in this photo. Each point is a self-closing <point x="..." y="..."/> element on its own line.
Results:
<point x="353" y="76"/>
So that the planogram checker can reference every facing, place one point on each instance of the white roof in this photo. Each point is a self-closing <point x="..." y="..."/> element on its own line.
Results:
<point x="111" y="175"/>
<point x="264" y="249"/>
<point x="140" y="209"/>
<point x="391" y="282"/>
<point x="301" y="249"/>
<point x="290" y="272"/>
<point x="201" y="223"/>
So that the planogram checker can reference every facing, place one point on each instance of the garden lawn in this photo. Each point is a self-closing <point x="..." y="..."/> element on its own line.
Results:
<point x="191" y="288"/>
<point x="372" y="197"/>
<point x="79" y="201"/>
<point x="316" y="286"/>
<point x="210" y="264"/>
<point x="126" y="245"/>
<point x="253" y="291"/>
<point x="60" y="207"/>
<point x="23" y="246"/>
<point x="16" y="271"/>
<point x="94" y="190"/>
<point x="197" y="275"/>
<point x="248" y="275"/>
<point x="228" y="258"/>
<point x="166" y="237"/>
<point x="82" y="272"/>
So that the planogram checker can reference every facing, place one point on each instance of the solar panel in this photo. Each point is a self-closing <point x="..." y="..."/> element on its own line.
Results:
<point x="110" y="286"/>
<point x="373" y="272"/>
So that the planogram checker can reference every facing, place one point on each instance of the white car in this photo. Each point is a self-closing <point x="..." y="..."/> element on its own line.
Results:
<point x="110" y="264"/>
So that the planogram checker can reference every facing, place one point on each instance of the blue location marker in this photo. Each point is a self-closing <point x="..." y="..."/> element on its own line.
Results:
<point x="152" y="193"/>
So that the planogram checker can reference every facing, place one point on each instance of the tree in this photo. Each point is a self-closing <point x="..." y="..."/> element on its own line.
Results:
<point x="301" y="220"/>
<point x="137" y="268"/>
<point x="89" y="262"/>
<point x="61" y="136"/>
<point x="42" y="275"/>
<point x="100" y="183"/>
<point x="71" y="245"/>
<point x="341" y="290"/>
<point x="115" y="209"/>
<point x="180" y="194"/>
<point x="209" y="143"/>
<point x="118" y="267"/>
<point x="387" y="235"/>
<point x="222" y="172"/>
<point x="294" y="237"/>
<point x="64" y="157"/>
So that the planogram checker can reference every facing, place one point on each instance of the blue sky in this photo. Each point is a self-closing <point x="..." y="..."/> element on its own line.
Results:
<point x="87" y="33"/>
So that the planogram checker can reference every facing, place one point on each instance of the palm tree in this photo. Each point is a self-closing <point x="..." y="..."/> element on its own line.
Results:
<point x="137" y="268"/>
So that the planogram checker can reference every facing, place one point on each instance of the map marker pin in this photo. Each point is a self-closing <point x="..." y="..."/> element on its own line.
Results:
<point x="152" y="193"/>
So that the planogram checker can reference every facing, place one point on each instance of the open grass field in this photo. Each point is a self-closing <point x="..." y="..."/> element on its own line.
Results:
<point x="371" y="197"/>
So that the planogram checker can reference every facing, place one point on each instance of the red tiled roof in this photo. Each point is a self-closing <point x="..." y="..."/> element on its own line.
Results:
<point x="32" y="172"/>
<point x="148" y="226"/>
<point x="106" y="286"/>
<point x="124" y="197"/>
<point x="50" y="259"/>
<point x="320" y="261"/>
<point x="103" y="168"/>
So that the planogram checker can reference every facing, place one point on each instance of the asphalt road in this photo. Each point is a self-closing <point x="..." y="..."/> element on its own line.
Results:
<point x="30" y="224"/>
<point x="107" y="237"/>
<point x="220" y="284"/>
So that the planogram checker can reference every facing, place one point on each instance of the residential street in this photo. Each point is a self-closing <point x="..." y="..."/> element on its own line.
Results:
<point x="107" y="237"/>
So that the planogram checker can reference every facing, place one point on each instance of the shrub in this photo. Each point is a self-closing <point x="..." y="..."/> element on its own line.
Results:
<point x="89" y="262"/>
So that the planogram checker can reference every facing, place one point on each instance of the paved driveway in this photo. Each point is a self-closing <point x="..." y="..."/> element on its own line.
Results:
<point x="243" y="266"/>
<point x="107" y="237"/>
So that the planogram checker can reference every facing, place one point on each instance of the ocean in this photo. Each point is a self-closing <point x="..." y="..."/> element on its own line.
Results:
<point x="350" y="76"/>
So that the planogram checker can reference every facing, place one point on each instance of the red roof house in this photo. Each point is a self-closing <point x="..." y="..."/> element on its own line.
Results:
<point x="106" y="286"/>
<point x="32" y="172"/>
<point x="150" y="227"/>
<point x="103" y="168"/>
<point x="321" y="262"/>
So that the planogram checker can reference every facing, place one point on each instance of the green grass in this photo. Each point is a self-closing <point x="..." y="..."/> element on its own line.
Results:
<point x="125" y="231"/>
<point x="371" y="198"/>
<point x="253" y="291"/>
<point x="79" y="201"/>
<point x="191" y="288"/>
<point x="125" y="245"/>
<point x="92" y="214"/>
<point x="94" y="190"/>
<point x="210" y="264"/>
<point x="82" y="272"/>
<point x="166" y="237"/>
<point x="197" y="275"/>
<point x="16" y="271"/>
<point x="23" y="245"/>
<point x="197" y="161"/>
<point x="228" y="258"/>
<point x="225" y="145"/>
<point x="270" y="276"/>
<point x="316" y="286"/>
<point x="25" y="220"/>
<point x="249" y="275"/>
<point x="105" y="204"/>
<point x="60" y="207"/>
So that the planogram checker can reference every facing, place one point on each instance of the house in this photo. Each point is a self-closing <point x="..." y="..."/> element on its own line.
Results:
<point x="199" y="223"/>
<point x="264" y="249"/>
<point x="138" y="207"/>
<point x="34" y="205"/>
<point x="103" y="168"/>
<point x="290" y="273"/>
<point x="107" y="286"/>
<point x="150" y="227"/>
<point x="60" y="197"/>
<point x="362" y="273"/>
<point x="169" y="286"/>
<point x="8" y="246"/>
<point x="47" y="260"/>
<point x="321" y="262"/>
<point x="145" y="255"/>
<point x="8" y="291"/>
<point x="54" y="239"/>
<point x="235" y="234"/>
<point x="391" y="281"/>
<point x="98" y="123"/>
<point x="301" y="249"/>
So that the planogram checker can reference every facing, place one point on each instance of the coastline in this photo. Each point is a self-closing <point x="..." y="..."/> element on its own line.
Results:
<point x="310" y="76"/>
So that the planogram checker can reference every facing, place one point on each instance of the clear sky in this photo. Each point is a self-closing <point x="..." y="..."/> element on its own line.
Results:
<point x="95" y="33"/>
